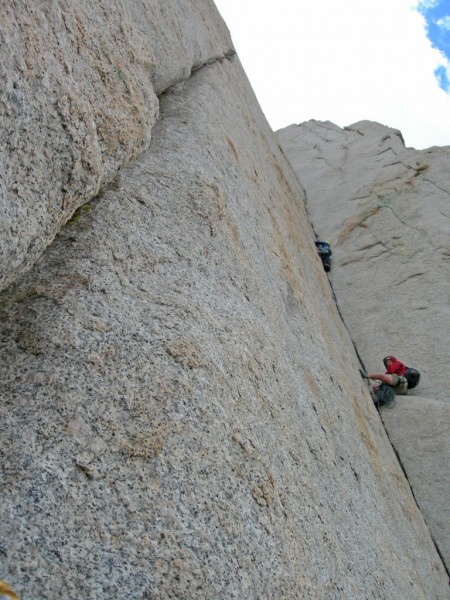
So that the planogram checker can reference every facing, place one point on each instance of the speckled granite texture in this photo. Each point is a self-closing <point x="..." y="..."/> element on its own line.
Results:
<point x="182" y="413"/>
<point x="386" y="210"/>
<point x="78" y="100"/>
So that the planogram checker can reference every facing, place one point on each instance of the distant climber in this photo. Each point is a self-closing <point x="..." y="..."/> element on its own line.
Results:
<point x="398" y="378"/>
<point x="398" y="375"/>
<point x="394" y="376"/>
<point x="324" y="250"/>
<point x="391" y="383"/>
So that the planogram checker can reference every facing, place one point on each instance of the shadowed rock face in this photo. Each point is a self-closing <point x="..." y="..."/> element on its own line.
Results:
<point x="182" y="412"/>
<point x="386" y="210"/>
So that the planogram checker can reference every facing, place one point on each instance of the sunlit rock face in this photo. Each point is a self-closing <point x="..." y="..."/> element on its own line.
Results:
<point x="386" y="210"/>
<point x="182" y="413"/>
<point x="79" y="99"/>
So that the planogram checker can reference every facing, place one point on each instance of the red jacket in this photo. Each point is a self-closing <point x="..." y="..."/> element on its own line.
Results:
<point x="396" y="367"/>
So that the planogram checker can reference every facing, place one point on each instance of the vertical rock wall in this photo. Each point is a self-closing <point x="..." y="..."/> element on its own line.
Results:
<point x="386" y="209"/>
<point x="182" y="413"/>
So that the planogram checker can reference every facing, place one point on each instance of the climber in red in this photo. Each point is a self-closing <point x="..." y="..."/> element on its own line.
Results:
<point x="394" y="376"/>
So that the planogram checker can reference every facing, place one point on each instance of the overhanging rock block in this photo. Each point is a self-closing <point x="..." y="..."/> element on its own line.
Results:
<point x="79" y="91"/>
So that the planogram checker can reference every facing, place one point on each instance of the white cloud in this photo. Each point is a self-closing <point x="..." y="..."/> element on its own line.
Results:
<point x="444" y="23"/>
<point x="343" y="62"/>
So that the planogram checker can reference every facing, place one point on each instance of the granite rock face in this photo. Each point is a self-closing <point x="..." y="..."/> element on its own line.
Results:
<point x="181" y="406"/>
<point x="79" y="99"/>
<point x="419" y="430"/>
<point x="386" y="210"/>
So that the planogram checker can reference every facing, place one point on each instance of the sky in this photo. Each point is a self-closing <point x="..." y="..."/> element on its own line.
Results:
<point x="348" y="60"/>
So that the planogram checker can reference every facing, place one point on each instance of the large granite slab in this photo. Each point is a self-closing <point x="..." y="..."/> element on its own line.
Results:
<point x="419" y="430"/>
<point x="182" y="415"/>
<point x="78" y="101"/>
<point x="182" y="412"/>
<point x="386" y="210"/>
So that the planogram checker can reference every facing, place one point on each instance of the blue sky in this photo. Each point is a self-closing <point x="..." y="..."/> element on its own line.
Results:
<point x="385" y="61"/>
<point x="437" y="25"/>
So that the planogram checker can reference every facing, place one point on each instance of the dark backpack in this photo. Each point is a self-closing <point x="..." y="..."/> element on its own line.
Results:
<point x="412" y="376"/>
<point x="324" y="250"/>
<point x="385" y="395"/>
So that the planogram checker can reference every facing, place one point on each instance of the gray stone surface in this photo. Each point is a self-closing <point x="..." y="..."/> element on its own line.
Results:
<point x="182" y="411"/>
<point x="386" y="210"/>
<point x="182" y="415"/>
<point x="78" y="100"/>
<point x="419" y="430"/>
